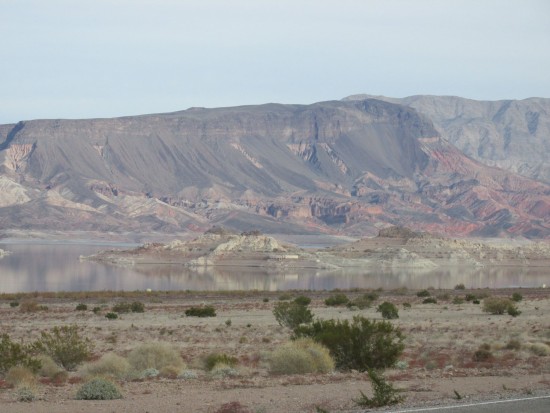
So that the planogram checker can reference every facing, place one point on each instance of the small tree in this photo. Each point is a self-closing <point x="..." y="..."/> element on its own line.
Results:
<point x="388" y="310"/>
<point x="65" y="346"/>
<point x="292" y="314"/>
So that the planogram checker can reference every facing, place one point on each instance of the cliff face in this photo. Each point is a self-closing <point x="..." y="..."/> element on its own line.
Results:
<point x="337" y="167"/>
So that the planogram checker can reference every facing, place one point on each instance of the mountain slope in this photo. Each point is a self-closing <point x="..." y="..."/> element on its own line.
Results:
<point x="510" y="134"/>
<point x="337" y="167"/>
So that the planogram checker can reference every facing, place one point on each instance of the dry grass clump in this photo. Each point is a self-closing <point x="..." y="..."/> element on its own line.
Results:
<point x="31" y="306"/>
<point x="540" y="349"/>
<point x="19" y="376"/>
<point x="109" y="365"/>
<point x="300" y="357"/>
<point x="48" y="367"/>
<point x="155" y="355"/>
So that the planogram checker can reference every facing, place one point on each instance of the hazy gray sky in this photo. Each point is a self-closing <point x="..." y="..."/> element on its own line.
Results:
<point x="97" y="58"/>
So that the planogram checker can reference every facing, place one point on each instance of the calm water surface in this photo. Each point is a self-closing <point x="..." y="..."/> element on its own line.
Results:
<point x="56" y="267"/>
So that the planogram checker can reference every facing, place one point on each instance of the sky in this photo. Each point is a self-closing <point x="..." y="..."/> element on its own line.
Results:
<point x="107" y="58"/>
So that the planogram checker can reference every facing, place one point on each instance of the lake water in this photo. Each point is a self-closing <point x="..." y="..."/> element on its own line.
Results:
<point x="56" y="267"/>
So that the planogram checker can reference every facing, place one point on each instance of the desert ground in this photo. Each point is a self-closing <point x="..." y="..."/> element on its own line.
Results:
<point x="437" y="366"/>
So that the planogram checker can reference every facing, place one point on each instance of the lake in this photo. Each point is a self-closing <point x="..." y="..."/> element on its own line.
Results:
<point x="53" y="266"/>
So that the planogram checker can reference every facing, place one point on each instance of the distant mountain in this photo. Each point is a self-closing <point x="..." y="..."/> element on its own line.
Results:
<point x="510" y="134"/>
<point x="340" y="167"/>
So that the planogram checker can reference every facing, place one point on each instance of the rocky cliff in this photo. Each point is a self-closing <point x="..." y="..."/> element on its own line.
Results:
<point x="332" y="167"/>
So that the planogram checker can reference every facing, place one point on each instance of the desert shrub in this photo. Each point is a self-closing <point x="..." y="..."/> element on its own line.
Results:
<point x="16" y="354"/>
<point x="513" y="310"/>
<point x="188" y="375"/>
<point x="25" y="394"/>
<point x="540" y="349"/>
<point x="31" y="306"/>
<point x="498" y="305"/>
<point x="301" y="356"/>
<point x="470" y="297"/>
<point x="109" y="365"/>
<point x="285" y="297"/>
<point x="517" y="297"/>
<point x="14" y="304"/>
<point x="513" y="344"/>
<point x="19" y="375"/>
<point x="65" y="346"/>
<point x="292" y="314"/>
<point x="371" y="295"/>
<point x="98" y="389"/>
<point x="223" y="370"/>
<point x="423" y="293"/>
<point x="170" y="372"/>
<point x="154" y="355"/>
<point x="211" y="360"/>
<point x="206" y="311"/>
<point x="360" y="344"/>
<point x="149" y="373"/>
<point x="302" y="300"/>
<point x="429" y="300"/>
<point x="384" y="393"/>
<point x="121" y="308"/>
<point x="407" y="305"/>
<point x="96" y="310"/>
<point x="233" y="407"/>
<point x="137" y="307"/>
<point x="363" y="301"/>
<point x="476" y="301"/>
<point x="81" y="307"/>
<point x="458" y="300"/>
<point x="111" y="316"/>
<point x="483" y="353"/>
<point x="460" y="287"/>
<point x="48" y="367"/>
<point x="336" y="300"/>
<point x="388" y="310"/>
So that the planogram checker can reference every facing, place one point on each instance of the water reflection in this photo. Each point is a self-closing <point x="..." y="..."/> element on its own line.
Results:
<point x="33" y="267"/>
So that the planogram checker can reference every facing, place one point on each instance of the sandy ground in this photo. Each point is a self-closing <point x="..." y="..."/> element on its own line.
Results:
<point x="440" y="342"/>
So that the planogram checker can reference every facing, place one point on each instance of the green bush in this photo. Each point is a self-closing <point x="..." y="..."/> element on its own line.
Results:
<point x="300" y="357"/>
<point x="384" y="393"/>
<point x="111" y="316"/>
<point x="137" y="307"/>
<point x="156" y="355"/>
<point x="470" y="297"/>
<point x="219" y="358"/>
<point x="388" y="310"/>
<point x="357" y="345"/>
<point x="336" y="300"/>
<point x="98" y="389"/>
<point x="14" y="304"/>
<point x="206" y="311"/>
<point x="407" y="305"/>
<point x="517" y="297"/>
<point x="292" y="314"/>
<point x="65" y="346"/>
<point x="285" y="297"/>
<point x="81" y="307"/>
<point x="429" y="300"/>
<point x="125" y="307"/>
<point x="109" y="365"/>
<point x="423" y="293"/>
<point x="16" y="354"/>
<point x="499" y="305"/>
<point x="460" y="287"/>
<point x="302" y="300"/>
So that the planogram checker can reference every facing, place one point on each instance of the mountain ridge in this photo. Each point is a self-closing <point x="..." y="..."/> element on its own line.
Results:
<point x="339" y="167"/>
